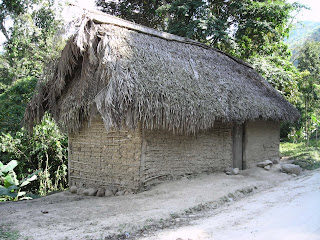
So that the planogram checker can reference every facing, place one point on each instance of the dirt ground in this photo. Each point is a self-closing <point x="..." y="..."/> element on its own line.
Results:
<point x="166" y="206"/>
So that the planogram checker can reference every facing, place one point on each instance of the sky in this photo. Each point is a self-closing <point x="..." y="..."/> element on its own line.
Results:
<point x="309" y="15"/>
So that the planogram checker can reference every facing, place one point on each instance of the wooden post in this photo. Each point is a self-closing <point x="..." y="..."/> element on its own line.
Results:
<point x="237" y="149"/>
<point x="69" y="159"/>
<point x="143" y="160"/>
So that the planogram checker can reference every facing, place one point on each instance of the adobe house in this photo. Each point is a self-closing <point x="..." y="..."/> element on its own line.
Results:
<point x="141" y="106"/>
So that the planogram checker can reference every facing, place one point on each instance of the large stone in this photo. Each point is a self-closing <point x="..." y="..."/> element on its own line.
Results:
<point x="114" y="190"/>
<point x="108" y="193"/>
<point x="275" y="160"/>
<point x="73" y="189"/>
<point x="291" y="168"/>
<point x="235" y="171"/>
<point x="128" y="191"/>
<point x="101" y="192"/>
<point x="265" y="163"/>
<point x="120" y="193"/>
<point x="80" y="191"/>
<point x="232" y="171"/>
<point x="90" y="192"/>
<point x="268" y="167"/>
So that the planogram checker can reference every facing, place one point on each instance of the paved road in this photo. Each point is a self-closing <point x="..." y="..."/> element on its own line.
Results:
<point x="290" y="211"/>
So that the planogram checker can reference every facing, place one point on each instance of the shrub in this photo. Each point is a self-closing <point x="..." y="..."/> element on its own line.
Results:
<point x="10" y="186"/>
<point x="44" y="151"/>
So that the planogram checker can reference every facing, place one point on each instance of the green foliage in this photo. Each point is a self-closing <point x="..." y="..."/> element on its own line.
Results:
<point x="44" y="150"/>
<point x="307" y="157"/>
<point x="309" y="86"/>
<point x="10" y="186"/>
<point x="7" y="234"/>
<point x="187" y="18"/>
<point x="309" y="58"/>
<point x="139" y="11"/>
<point x="281" y="73"/>
<point x="32" y="43"/>
<point x="13" y="103"/>
<point x="243" y="28"/>
<point x="12" y="8"/>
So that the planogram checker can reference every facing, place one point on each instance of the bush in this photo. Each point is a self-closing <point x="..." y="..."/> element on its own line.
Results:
<point x="10" y="186"/>
<point x="307" y="157"/>
<point x="45" y="150"/>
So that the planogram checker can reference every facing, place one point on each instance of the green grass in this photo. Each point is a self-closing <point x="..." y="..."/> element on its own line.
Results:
<point x="7" y="234"/>
<point x="305" y="157"/>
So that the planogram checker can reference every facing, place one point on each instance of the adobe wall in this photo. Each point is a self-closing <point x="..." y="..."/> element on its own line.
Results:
<point x="262" y="139"/>
<point x="101" y="159"/>
<point x="168" y="156"/>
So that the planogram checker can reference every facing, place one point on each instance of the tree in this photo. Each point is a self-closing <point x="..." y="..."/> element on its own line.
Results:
<point x="12" y="8"/>
<point x="309" y="85"/>
<point x="13" y="102"/>
<point x="32" y="43"/>
<point x="139" y="11"/>
<point x="281" y="73"/>
<point x="243" y="28"/>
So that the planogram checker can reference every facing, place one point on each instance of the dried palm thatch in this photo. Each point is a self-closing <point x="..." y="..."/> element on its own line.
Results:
<point x="134" y="75"/>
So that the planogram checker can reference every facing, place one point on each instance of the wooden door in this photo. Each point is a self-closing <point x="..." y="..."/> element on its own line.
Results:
<point x="237" y="149"/>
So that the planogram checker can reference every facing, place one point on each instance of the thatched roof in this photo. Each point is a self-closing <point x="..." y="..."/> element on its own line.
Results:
<point x="135" y="75"/>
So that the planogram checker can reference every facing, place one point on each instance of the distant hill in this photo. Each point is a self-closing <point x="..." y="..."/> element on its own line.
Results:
<point x="303" y="31"/>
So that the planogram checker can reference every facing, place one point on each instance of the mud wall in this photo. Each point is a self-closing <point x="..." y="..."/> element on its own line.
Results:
<point x="261" y="142"/>
<point x="169" y="156"/>
<point x="101" y="159"/>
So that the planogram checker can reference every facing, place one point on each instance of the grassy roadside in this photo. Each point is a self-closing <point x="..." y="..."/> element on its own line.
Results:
<point x="8" y="234"/>
<point x="306" y="157"/>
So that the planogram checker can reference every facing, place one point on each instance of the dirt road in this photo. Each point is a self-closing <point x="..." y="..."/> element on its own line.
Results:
<point x="289" y="211"/>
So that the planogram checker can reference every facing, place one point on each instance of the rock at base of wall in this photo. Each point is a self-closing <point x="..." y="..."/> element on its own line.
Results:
<point x="268" y="167"/>
<point x="101" y="192"/>
<point x="232" y="171"/>
<point x="90" y="192"/>
<point x="128" y="191"/>
<point x="80" y="191"/>
<point x="120" y="193"/>
<point x="291" y="168"/>
<point x="235" y="171"/>
<point x="265" y="163"/>
<point x="73" y="189"/>
<point x="108" y="193"/>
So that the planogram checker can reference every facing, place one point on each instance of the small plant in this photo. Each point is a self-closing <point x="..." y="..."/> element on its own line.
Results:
<point x="10" y="186"/>
<point x="8" y="234"/>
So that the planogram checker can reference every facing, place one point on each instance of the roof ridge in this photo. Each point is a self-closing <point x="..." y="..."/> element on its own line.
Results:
<point x="100" y="17"/>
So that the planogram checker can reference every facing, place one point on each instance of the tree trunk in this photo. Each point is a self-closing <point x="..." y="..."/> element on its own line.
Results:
<point x="306" y="123"/>
<point x="3" y="30"/>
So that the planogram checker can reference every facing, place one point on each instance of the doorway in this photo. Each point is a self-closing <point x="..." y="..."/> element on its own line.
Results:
<point x="237" y="149"/>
